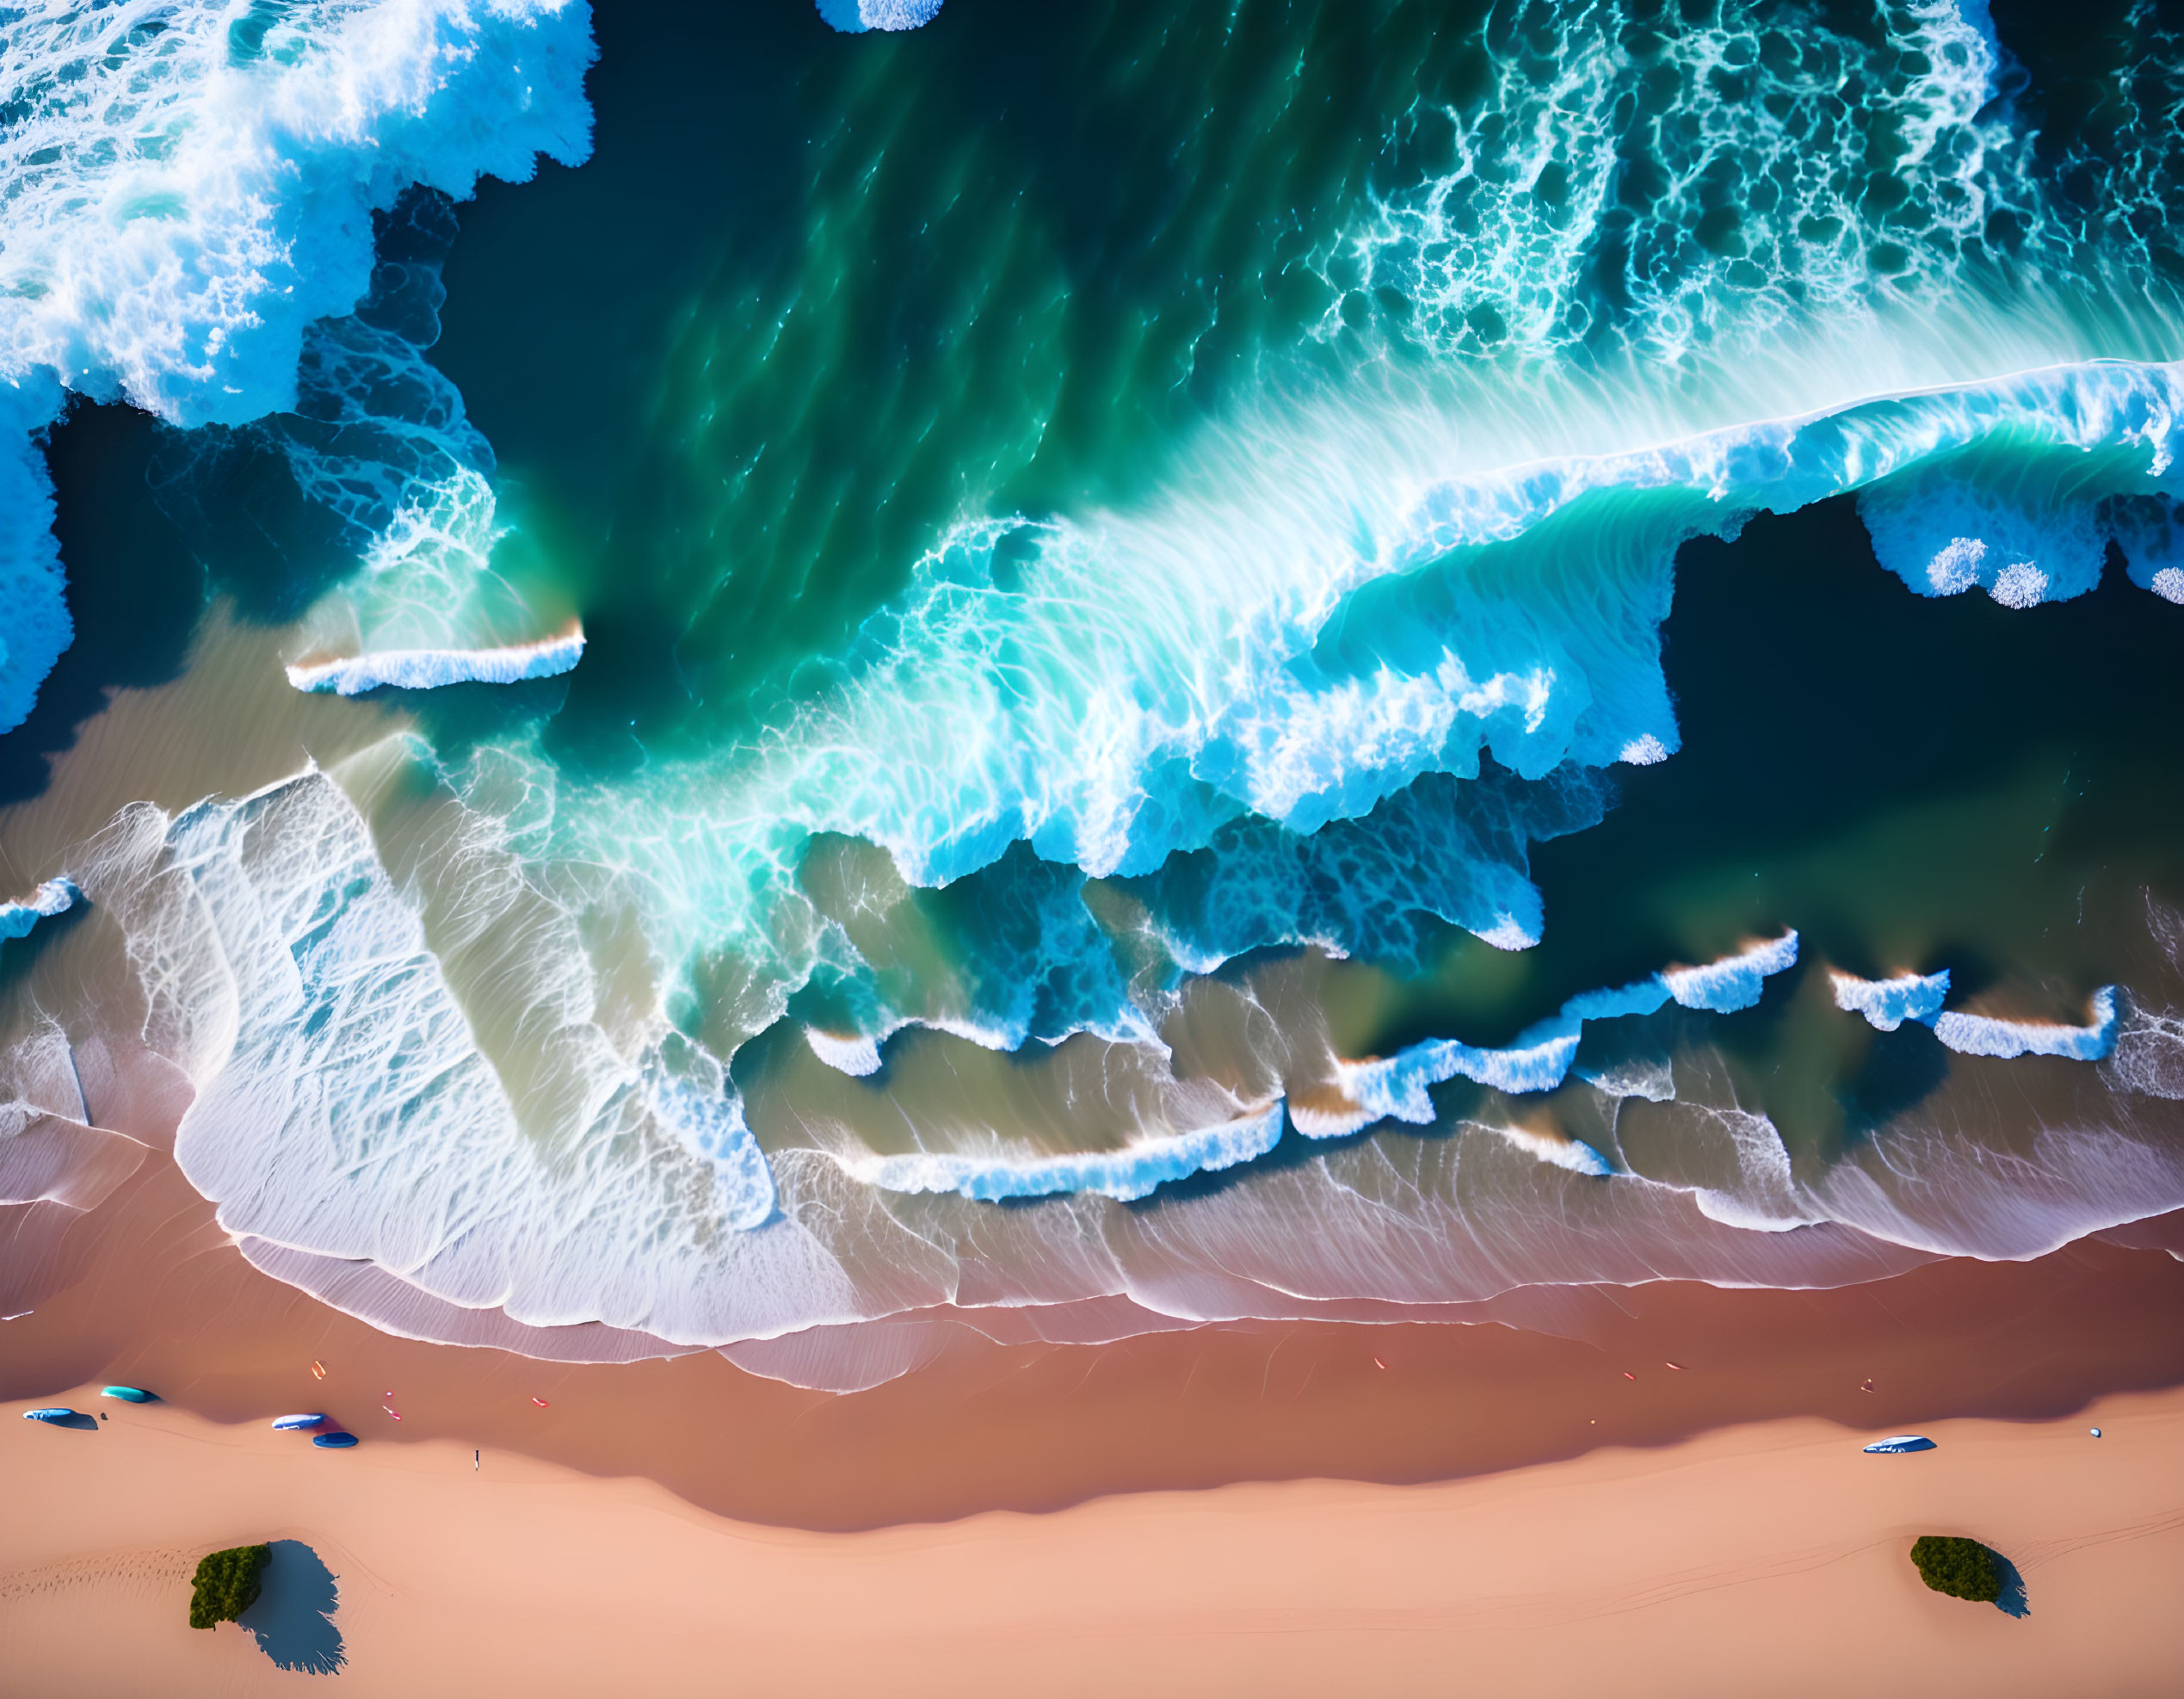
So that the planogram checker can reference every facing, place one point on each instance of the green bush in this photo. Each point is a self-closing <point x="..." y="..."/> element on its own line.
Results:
<point x="226" y="1584"/>
<point x="1961" y="1568"/>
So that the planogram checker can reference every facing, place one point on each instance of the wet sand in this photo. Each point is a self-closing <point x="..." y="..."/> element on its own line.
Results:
<point x="1771" y="1558"/>
<point x="147" y="1290"/>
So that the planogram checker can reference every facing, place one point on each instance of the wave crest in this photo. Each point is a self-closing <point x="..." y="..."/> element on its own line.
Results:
<point x="188" y="190"/>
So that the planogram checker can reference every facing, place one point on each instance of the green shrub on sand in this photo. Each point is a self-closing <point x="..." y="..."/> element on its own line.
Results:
<point x="226" y="1584"/>
<point x="1962" y="1568"/>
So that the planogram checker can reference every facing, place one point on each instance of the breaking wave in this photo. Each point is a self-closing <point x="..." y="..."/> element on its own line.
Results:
<point x="190" y="189"/>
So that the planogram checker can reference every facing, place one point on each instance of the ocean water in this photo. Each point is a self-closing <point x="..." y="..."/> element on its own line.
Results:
<point x="1098" y="668"/>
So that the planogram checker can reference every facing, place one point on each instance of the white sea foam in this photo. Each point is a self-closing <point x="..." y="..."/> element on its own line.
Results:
<point x="55" y="896"/>
<point x="1945" y="529"/>
<point x="1441" y="849"/>
<point x="2150" y="538"/>
<point x="429" y="669"/>
<point x="1504" y="244"/>
<point x="1652" y="1079"/>
<point x="1396" y="1087"/>
<point x="38" y="1079"/>
<point x="382" y="441"/>
<point x="1887" y="1003"/>
<point x="345" y="1107"/>
<point x="188" y="186"/>
<point x="1986" y="1036"/>
<point x="349" y="1106"/>
<point x="1574" y="1154"/>
<point x="858" y="1054"/>
<point x="50" y="1153"/>
<point x="1108" y="743"/>
<point x="1143" y="680"/>
<point x="1735" y="981"/>
<point x="852" y="1053"/>
<point x="1135" y="1171"/>
<point x="1765" y="1196"/>
<point x="182" y="201"/>
<point x="853" y="16"/>
<point x="2148" y="1053"/>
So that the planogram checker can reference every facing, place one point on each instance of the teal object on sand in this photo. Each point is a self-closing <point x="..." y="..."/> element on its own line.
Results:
<point x="126" y="1395"/>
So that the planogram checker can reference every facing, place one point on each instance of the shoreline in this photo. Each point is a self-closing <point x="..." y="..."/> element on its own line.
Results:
<point x="150" y="1292"/>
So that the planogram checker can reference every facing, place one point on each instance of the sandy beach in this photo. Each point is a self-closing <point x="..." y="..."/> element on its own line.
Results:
<point x="1769" y="1558"/>
<point x="1304" y="1510"/>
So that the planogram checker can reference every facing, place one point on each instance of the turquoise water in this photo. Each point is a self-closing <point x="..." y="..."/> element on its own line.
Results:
<point x="1139" y="606"/>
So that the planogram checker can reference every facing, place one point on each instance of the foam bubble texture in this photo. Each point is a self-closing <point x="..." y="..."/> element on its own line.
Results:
<point x="344" y="1105"/>
<point x="55" y="896"/>
<point x="853" y="16"/>
<point x="1985" y="1035"/>
<point x="429" y="669"/>
<point x="1135" y="1171"/>
<point x="1887" y="1003"/>
<point x="1512" y="609"/>
<point x="1943" y="531"/>
<point x="189" y="186"/>
<point x="37" y="628"/>
<point x="1735" y="981"/>
<point x="49" y="1151"/>
<point x="381" y="447"/>
<point x="1396" y="1087"/>
<point x="1751" y="210"/>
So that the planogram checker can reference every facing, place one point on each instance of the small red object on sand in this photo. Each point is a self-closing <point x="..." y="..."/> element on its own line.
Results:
<point x="1377" y="1364"/>
<point x="1627" y="1376"/>
<point x="391" y="1411"/>
<point x="1676" y="1366"/>
<point x="317" y="1369"/>
<point x="540" y="1402"/>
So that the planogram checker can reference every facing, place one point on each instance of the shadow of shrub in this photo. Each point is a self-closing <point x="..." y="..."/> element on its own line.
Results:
<point x="293" y="1620"/>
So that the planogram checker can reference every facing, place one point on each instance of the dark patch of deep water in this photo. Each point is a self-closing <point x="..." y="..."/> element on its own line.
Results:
<point x="134" y="589"/>
<point x="813" y="299"/>
<point x="1877" y="769"/>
